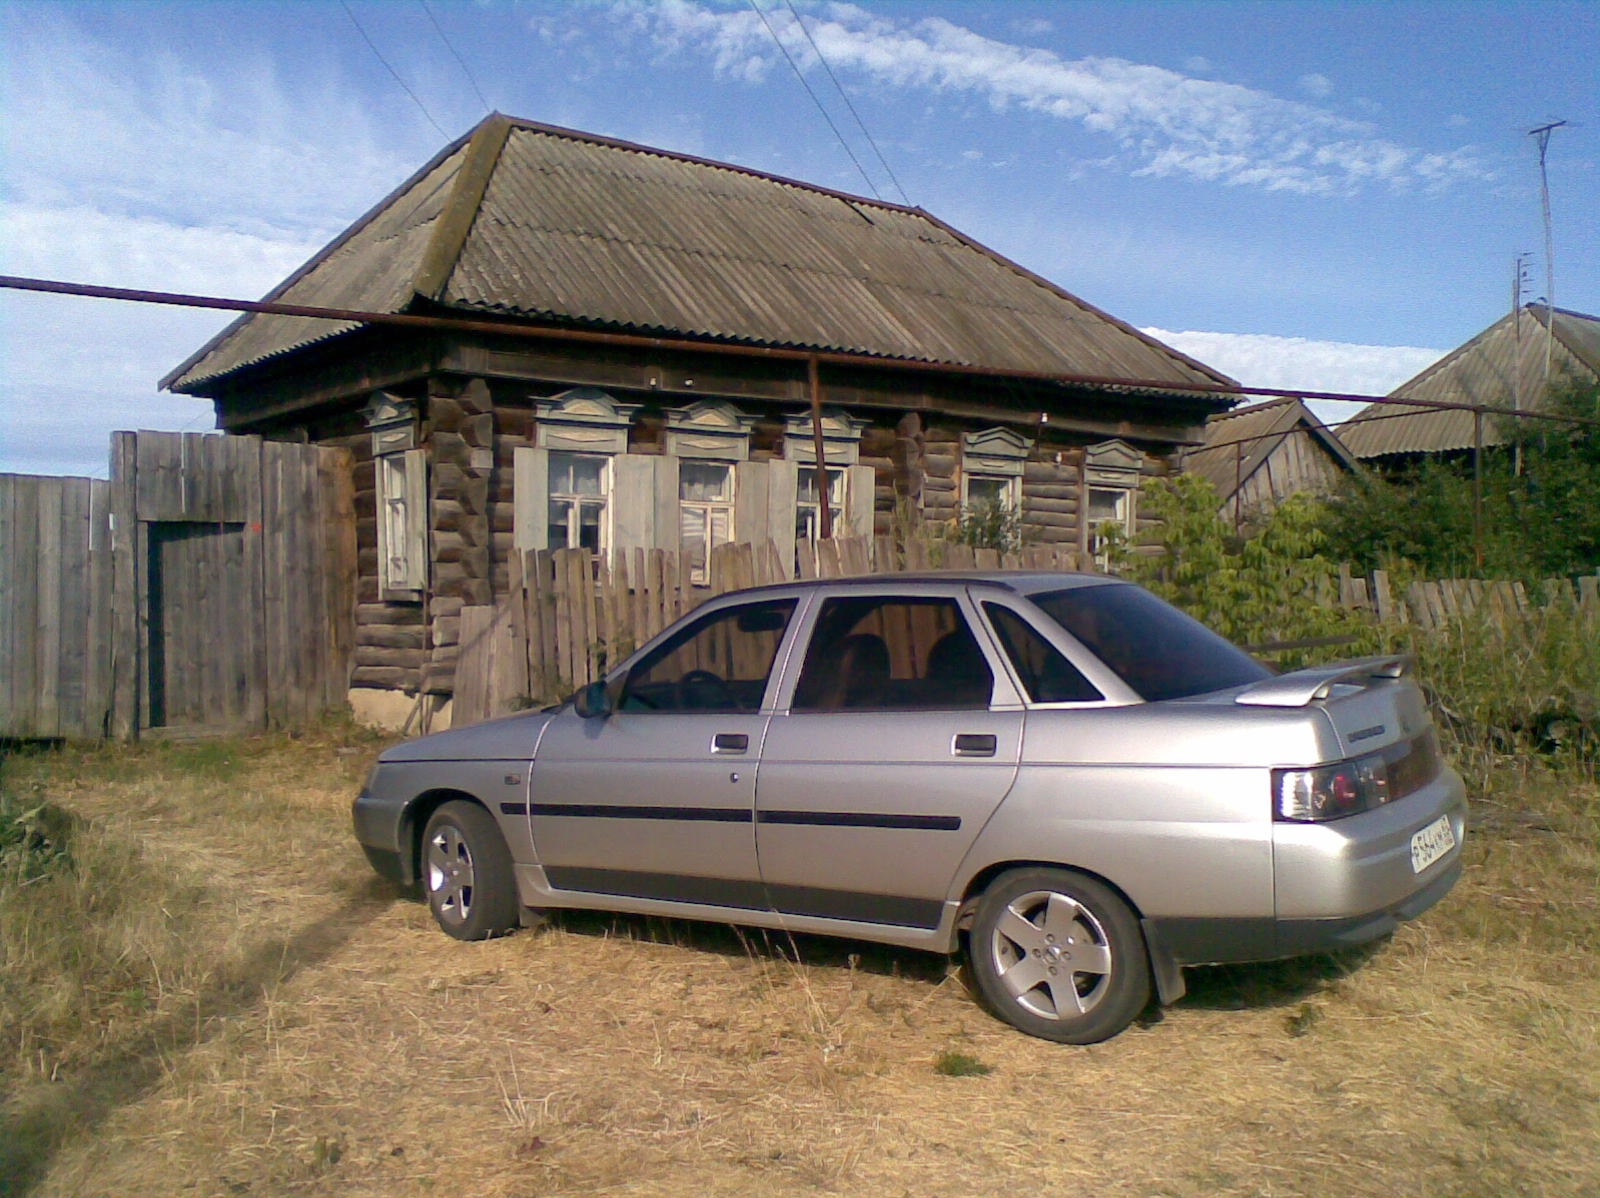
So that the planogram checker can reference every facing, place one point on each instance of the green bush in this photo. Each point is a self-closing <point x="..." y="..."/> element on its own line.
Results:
<point x="1260" y="590"/>
<point x="989" y="525"/>
<point x="1514" y="687"/>
<point x="35" y="840"/>
<point x="1539" y="513"/>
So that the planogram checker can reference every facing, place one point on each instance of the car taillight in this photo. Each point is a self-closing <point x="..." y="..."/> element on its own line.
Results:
<point x="1331" y="791"/>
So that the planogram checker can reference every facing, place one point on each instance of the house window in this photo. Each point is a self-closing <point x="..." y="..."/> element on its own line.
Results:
<point x="1111" y="505"/>
<point x="400" y="480"/>
<point x="705" y="513"/>
<point x="402" y="525"/>
<point x="991" y="491"/>
<point x="992" y="462"/>
<point x="807" y="508"/>
<point x="1110" y="487"/>
<point x="580" y="485"/>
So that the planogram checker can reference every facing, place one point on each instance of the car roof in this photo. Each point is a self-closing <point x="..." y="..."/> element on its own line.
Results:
<point x="1020" y="582"/>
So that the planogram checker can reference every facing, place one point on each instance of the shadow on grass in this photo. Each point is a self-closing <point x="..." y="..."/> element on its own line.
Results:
<point x="40" y="1119"/>
<point x="1265" y="984"/>
<point x="746" y="944"/>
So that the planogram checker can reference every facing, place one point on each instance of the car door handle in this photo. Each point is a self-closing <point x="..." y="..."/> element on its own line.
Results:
<point x="975" y="744"/>
<point x="730" y="742"/>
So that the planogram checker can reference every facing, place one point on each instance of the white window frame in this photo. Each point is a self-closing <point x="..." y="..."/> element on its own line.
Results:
<point x="808" y="513"/>
<point x="571" y="536"/>
<point x="402" y="525"/>
<point x="400" y="484"/>
<point x="994" y="455"/>
<point x="1008" y="489"/>
<point x="1111" y="468"/>
<point x="708" y="510"/>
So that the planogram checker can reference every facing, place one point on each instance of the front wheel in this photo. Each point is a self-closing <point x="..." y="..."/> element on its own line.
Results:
<point x="466" y="873"/>
<point x="1059" y="956"/>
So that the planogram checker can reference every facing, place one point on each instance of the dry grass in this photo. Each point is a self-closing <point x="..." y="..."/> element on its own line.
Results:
<point x="320" y="1037"/>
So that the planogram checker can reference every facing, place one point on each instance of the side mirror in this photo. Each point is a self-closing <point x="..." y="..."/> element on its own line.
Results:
<point x="592" y="701"/>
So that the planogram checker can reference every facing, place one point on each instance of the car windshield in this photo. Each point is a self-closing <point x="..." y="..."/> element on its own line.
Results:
<point x="1152" y="646"/>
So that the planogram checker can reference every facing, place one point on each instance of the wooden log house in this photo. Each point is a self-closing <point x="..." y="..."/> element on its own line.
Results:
<point x="631" y="349"/>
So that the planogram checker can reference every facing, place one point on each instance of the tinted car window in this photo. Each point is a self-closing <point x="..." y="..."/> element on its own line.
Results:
<point x="892" y="653"/>
<point x="1152" y="646"/>
<point x="719" y="663"/>
<point x="1047" y="676"/>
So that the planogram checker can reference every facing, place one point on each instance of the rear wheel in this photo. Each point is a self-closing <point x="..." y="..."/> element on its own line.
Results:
<point x="1059" y="956"/>
<point x="466" y="873"/>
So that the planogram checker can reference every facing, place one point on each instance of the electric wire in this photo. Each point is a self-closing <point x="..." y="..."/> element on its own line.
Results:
<point x="465" y="69"/>
<point x="843" y="95"/>
<point x="798" y="74"/>
<point x="378" y="54"/>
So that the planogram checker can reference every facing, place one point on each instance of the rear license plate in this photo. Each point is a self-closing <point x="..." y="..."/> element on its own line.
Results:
<point x="1433" y="842"/>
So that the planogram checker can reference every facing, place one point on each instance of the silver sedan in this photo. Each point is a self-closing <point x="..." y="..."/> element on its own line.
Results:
<point x="1073" y="782"/>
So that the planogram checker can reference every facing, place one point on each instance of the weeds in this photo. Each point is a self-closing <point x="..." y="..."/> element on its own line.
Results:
<point x="951" y="1063"/>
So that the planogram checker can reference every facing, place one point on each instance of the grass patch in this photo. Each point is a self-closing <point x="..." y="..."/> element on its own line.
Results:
<point x="305" y="1032"/>
<point x="952" y="1063"/>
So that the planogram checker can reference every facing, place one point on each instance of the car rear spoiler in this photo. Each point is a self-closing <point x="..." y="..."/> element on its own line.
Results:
<point x="1307" y="686"/>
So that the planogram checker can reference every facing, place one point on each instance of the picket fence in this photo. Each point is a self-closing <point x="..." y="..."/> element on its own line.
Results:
<point x="1434" y="604"/>
<point x="570" y="615"/>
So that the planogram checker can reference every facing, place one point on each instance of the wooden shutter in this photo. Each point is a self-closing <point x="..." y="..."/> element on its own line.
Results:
<point x="783" y="481"/>
<point x="859" y="499"/>
<point x="530" y="498"/>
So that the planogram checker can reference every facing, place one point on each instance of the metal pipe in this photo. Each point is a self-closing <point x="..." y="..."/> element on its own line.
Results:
<point x="824" y="509"/>
<point x="732" y="348"/>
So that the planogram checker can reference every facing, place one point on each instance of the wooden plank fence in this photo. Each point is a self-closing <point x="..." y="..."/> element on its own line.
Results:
<point x="55" y="607"/>
<point x="571" y="615"/>
<point x="1433" y="604"/>
<point x="208" y="586"/>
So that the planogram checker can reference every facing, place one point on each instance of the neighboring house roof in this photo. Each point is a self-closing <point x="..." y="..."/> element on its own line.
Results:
<point x="1240" y="442"/>
<point x="1483" y="371"/>
<point x="535" y="223"/>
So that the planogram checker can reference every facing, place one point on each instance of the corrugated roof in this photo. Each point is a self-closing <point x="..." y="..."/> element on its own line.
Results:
<point x="1237" y="442"/>
<point x="1480" y="372"/>
<point x="530" y="221"/>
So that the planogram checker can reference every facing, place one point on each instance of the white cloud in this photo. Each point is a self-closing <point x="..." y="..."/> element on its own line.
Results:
<point x="1316" y="85"/>
<point x="1169" y="123"/>
<point x="151" y="136"/>
<point x="1299" y="363"/>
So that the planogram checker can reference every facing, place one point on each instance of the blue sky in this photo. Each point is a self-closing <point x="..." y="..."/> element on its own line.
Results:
<point x="1310" y="195"/>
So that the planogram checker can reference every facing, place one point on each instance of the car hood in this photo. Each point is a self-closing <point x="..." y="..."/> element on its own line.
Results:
<point x="510" y="738"/>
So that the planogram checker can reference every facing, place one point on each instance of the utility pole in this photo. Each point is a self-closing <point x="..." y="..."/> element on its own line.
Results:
<point x="1541" y="135"/>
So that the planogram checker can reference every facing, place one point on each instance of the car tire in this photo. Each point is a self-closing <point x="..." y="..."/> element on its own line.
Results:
<point x="467" y="874"/>
<point x="1059" y="955"/>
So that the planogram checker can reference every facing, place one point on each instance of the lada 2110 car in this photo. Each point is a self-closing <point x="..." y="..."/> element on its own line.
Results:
<point x="1085" y="788"/>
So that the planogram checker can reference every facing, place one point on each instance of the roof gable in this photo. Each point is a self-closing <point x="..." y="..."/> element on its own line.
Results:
<point x="529" y="221"/>
<point x="1502" y="363"/>
<point x="1238" y="442"/>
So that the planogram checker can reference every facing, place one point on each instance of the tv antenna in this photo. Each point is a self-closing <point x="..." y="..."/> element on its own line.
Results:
<point x="1541" y="136"/>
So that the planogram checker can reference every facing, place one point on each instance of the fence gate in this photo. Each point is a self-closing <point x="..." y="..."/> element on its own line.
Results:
<point x="208" y="587"/>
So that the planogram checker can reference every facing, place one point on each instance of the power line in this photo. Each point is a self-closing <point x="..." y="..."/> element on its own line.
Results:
<point x="798" y="74"/>
<point x="378" y="54"/>
<point x="465" y="69"/>
<point x="741" y="349"/>
<point x="845" y="96"/>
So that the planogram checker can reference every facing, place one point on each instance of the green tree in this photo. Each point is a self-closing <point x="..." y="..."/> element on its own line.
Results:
<point x="1264" y="588"/>
<point x="1540" y="504"/>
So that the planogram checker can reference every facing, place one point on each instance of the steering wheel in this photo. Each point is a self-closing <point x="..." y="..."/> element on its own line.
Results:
<point x="702" y="690"/>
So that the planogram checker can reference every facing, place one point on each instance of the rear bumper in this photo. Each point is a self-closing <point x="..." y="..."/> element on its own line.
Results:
<point x="1234" y="941"/>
